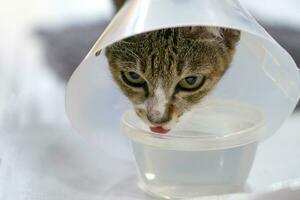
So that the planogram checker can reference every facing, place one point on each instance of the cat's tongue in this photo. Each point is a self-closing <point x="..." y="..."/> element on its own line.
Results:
<point x="159" y="130"/>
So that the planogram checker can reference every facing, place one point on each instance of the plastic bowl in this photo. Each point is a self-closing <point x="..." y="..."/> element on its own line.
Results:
<point x="213" y="156"/>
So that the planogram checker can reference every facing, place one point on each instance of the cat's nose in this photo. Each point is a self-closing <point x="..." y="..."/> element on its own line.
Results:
<point x="157" y="118"/>
<point x="153" y="115"/>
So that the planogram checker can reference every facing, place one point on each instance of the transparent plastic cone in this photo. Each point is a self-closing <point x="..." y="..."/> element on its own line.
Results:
<point x="261" y="83"/>
<point x="262" y="74"/>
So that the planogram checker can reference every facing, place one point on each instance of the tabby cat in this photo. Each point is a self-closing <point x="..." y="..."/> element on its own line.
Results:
<point x="165" y="73"/>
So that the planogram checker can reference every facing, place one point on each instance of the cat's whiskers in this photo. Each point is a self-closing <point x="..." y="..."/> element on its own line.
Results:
<point x="188" y="51"/>
<point x="127" y="42"/>
<point x="128" y="52"/>
<point x="132" y="53"/>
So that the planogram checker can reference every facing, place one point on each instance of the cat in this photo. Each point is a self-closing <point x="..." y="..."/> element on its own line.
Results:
<point x="165" y="73"/>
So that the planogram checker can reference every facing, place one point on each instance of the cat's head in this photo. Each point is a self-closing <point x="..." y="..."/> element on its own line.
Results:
<point x="165" y="73"/>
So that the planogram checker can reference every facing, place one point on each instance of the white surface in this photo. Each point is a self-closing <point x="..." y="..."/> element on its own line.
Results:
<point x="54" y="163"/>
<point x="278" y="158"/>
<point x="42" y="157"/>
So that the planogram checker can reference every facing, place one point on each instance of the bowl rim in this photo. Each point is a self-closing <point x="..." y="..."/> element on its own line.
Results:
<point x="203" y="141"/>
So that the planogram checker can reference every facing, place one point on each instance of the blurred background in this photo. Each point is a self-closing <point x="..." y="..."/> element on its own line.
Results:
<point x="41" y="44"/>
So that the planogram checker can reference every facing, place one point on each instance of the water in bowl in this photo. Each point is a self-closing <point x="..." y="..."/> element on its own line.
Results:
<point x="208" y="158"/>
<point x="181" y="174"/>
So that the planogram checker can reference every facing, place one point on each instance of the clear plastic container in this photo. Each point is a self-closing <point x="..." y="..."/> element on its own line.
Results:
<point x="172" y="174"/>
<point x="211" y="157"/>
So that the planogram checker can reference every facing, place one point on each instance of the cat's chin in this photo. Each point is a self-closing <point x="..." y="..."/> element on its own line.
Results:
<point x="159" y="130"/>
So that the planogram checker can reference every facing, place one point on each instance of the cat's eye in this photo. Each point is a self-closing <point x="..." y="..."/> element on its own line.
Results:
<point x="191" y="83"/>
<point x="133" y="79"/>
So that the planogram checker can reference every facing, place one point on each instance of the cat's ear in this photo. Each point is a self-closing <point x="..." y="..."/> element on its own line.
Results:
<point x="229" y="37"/>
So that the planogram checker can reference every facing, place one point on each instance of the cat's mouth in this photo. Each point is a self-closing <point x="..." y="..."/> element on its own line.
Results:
<point x="159" y="130"/>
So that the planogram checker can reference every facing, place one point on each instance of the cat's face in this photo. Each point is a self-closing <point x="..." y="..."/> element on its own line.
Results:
<point x="165" y="73"/>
